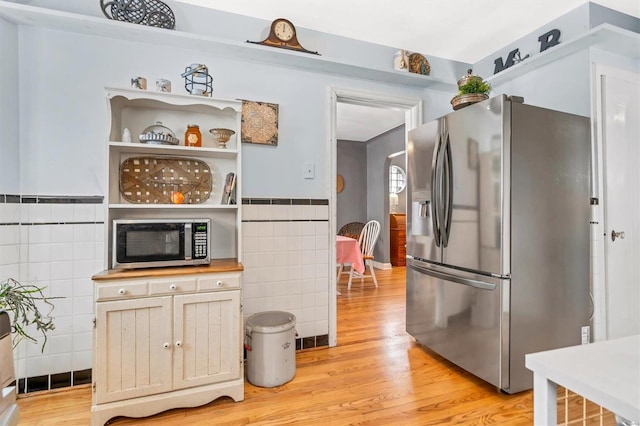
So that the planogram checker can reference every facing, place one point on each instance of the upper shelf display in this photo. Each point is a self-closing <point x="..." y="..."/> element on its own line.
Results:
<point x="605" y="37"/>
<point x="150" y="174"/>
<point x="82" y="24"/>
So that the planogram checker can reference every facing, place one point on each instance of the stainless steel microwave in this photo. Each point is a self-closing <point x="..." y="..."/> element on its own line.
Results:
<point x="154" y="243"/>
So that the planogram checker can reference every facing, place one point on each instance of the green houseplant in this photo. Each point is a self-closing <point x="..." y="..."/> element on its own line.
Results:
<point x="474" y="86"/>
<point x="25" y="304"/>
<point x="471" y="89"/>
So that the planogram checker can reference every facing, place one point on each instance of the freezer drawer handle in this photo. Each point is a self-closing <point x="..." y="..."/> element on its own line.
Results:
<point x="464" y="281"/>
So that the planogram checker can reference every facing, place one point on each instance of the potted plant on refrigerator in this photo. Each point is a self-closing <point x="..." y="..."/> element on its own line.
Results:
<point x="471" y="89"/>
<point x="25" y="302"/>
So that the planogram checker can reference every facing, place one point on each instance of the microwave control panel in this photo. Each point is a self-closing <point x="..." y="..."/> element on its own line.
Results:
<point x="200" y="242"/>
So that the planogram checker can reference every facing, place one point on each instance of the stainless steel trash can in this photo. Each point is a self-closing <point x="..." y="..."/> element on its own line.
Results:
<point x="270" y="340"/>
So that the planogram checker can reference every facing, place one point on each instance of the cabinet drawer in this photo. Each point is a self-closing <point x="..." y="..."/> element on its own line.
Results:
<point x="121" y="290"/>
<point x="171" y="286"/>
<point x="217" y="282"/>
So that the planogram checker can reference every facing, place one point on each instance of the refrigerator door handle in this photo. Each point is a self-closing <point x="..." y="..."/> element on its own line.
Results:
<point x="435" y="204"/>
<point x="447" y="195"/>
<point x="456" y="279"/>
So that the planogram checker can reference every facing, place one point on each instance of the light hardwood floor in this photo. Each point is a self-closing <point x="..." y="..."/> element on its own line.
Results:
<point x="376" y="375"/>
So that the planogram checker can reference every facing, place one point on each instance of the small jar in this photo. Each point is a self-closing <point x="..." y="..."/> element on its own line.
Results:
<point x="193" y="137"/>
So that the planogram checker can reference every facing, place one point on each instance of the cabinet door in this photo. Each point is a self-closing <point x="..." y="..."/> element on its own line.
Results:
<point x="133" y="348"/>
<point x="206" y="338"/>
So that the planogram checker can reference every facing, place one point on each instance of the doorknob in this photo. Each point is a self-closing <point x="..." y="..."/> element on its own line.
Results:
<point x="615" y="235"/>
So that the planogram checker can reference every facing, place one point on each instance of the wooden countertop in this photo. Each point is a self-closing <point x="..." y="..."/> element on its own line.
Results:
<point x="215" y="266"/>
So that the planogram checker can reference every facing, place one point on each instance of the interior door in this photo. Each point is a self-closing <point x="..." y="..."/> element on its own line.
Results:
<point x="621" y="146"/>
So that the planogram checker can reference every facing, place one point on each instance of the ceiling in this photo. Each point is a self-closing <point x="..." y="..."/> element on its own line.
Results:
<point x="448" y="29"/>
<point x="362" y="123"/>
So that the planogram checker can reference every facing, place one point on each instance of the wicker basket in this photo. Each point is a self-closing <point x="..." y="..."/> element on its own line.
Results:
<point x="462" y="101"/>
<point x="157" y="180"/>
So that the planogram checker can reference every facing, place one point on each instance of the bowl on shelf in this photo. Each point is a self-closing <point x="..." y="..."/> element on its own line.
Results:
<point x="222" y="136"/>
<point x="159" y="135"/>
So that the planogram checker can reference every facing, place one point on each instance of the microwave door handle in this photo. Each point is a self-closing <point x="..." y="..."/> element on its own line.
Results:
<point x="434" y="194"/>
<point x="188" y="241"/>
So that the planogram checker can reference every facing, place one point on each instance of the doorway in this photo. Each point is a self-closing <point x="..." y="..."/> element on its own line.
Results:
<point x="412" y="108"/>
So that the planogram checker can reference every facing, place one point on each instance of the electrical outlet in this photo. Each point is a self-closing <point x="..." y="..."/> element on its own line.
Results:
<point x="309" y="170"/>
<point x="585" y="334"/>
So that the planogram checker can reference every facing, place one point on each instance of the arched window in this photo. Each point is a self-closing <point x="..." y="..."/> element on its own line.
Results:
<point x="397" y="179"/>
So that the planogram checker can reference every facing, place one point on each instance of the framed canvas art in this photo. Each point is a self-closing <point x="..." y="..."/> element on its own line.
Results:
<point x="259" y="123"/>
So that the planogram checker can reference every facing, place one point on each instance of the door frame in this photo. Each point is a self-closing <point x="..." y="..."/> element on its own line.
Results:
<point x="598" y="259"/>
<point x="413" y="118"/>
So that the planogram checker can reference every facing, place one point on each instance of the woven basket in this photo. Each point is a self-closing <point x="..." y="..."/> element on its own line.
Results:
<point x="157" y="180"/>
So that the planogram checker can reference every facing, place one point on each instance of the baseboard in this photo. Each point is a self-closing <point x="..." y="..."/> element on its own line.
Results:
<point x="382" y="266"/>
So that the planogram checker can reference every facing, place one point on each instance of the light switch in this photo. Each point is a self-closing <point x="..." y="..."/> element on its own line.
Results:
<point x="309" y="170"/>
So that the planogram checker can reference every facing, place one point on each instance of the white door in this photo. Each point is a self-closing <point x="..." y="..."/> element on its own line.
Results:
<point x="621" y="179"/>
<point x="206" y="338"/>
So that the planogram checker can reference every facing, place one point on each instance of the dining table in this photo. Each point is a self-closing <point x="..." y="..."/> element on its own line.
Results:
<point x="348" y="251"/>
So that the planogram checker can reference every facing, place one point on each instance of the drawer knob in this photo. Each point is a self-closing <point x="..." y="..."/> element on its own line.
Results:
<point x="172" y="287"/>
<point x="179" y="343"/>
<point x="219" y="283"/>
<point x="122" y="291"/>
<point x="166" y="345"/>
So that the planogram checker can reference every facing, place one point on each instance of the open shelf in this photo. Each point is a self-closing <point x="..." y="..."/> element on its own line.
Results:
<point x="81" y="24"/>
<point x="178" y="150"/>
<point x="148" y="99"/>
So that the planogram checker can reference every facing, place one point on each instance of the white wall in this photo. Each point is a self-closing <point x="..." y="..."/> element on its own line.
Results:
<point x="224" y="25"/>
<point x="64" y="114"/>
<point x="562" y="85"/>
<point x="9" y="148"/>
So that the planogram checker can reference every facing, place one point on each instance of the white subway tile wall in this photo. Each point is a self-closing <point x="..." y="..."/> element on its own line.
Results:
<point x="286" y="262"/>
<point x="57" y="245"/>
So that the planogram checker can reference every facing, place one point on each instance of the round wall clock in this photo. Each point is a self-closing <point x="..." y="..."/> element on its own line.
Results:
<point x="283" y="35"/>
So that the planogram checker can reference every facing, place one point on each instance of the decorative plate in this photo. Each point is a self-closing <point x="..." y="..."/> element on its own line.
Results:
<point x="418" y="64"/>
<point x="153" y="13"/>
<point x="339" y="183"/>
<point x="259" y="123"/>
<point x="165" y="180"/>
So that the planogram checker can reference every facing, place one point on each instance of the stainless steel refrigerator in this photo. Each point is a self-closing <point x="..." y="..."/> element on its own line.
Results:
<point x="498" y="236"/>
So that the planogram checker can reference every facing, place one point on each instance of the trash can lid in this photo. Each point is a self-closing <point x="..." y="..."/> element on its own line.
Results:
<point x="271" y="321"/>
